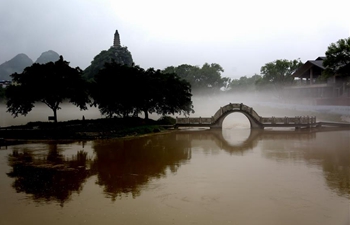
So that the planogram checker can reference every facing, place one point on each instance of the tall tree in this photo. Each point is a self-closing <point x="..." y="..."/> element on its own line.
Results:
<point x="121" y="90"/>
<point x="276" y="75"/>
<point x="113" y="89"/>
<point x="205" y="78"/>
<point x="175" y="95"/>
<point x="279" y="72"/>
<point x="49" y="83"/>
<point x="337" y="60"/>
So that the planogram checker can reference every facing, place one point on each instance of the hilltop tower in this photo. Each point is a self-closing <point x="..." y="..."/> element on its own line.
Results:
<point x="116" y="42"/>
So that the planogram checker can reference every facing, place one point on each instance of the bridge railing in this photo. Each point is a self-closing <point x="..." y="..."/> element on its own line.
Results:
<point x="289" y="120"/>
<point x="194" y="120"/>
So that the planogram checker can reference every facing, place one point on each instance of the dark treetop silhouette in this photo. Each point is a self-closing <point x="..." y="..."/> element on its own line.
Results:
<point x="49" y="83"/>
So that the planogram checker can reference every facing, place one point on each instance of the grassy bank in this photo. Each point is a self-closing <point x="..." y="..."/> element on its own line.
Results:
<point x="86" y="129"/>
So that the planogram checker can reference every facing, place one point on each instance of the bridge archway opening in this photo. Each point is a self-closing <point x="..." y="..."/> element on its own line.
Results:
<point x="236" y="128"/>
<point x="236" y="120"/>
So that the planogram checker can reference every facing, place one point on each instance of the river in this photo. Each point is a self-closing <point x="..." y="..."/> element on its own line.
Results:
<point x="229" y="176"/>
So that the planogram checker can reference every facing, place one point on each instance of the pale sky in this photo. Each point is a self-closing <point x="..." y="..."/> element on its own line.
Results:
<point x="241" y="36"/>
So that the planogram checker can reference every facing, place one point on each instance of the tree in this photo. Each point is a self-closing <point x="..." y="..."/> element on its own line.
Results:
<point x="244" y="84"/>
<point x="49" y="83"/>
<point x="277" y="74"/>
<point x="175" y="95"/>
<point x="337" y="60"/>
<point x="206" y="78"/>
<point x="121" y="90"/>
<point x="113" y="89"/>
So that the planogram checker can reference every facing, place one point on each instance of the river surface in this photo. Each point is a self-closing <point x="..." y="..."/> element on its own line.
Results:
<point x="233" y="176"/>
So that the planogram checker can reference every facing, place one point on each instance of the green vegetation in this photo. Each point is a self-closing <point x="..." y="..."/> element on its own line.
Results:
<point x="122" y="91"/>
<point x="207" y="78"/>
<point x="117" y="90"/>
<point x="120" y="55"/>
<point x="278" y="73"/>
<point x="244" y="84"/>
<point x="87" y="129"/>
<point x="338" y="59"/>
<point x="50" y="83"/>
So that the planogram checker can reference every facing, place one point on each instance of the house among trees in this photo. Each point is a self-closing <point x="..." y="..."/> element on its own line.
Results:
<point x="312" y="88"/>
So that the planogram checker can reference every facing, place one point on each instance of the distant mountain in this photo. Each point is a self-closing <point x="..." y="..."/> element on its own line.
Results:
<point x="14" y="65"/>
<point x="49" y="56"/>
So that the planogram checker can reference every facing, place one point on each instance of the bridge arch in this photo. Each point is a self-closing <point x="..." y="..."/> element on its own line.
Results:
<point x="253" y="122"/>
<point x="223" y="112"/>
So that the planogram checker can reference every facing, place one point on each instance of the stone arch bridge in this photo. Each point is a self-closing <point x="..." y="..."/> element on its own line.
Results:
<point x="255" y="120"/>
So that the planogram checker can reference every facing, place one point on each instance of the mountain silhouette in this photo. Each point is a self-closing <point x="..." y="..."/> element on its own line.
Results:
<point x="18" y="63"/>
<point x="48" y="56"/>
<point x="14" y="65"/>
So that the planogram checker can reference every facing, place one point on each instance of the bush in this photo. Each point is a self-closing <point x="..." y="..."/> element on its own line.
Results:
<point x="166" y="120"/>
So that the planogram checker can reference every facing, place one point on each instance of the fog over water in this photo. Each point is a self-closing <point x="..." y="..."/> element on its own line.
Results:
<point x="204" y="106"/>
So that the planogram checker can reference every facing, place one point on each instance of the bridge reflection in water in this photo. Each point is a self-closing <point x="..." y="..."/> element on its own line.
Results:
<point x="221" y="139"/>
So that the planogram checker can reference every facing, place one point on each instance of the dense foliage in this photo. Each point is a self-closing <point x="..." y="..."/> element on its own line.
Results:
<point x="50" y="83"/>
<point x="123" y="90"/>
<point x="244" y="84"/>
<point x="337" y="60"/>
<point x="206" y="78"/>
<point x="120" y="55"/>
<point x="277" y="74"/>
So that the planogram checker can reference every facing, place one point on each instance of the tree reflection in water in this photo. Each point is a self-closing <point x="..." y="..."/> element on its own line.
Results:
<point x="126" y="166"/>
<point x="51" y="178"/>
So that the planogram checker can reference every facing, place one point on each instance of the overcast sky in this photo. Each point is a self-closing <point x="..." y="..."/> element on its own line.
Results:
<point x="241" y="36"/>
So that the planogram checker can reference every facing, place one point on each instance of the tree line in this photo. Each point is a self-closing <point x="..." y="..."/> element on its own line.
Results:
<point x="124" y="90"/>
<point x="117" y="90"/>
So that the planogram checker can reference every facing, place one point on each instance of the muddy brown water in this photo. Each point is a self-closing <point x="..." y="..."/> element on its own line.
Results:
<point x="233" y="176"/>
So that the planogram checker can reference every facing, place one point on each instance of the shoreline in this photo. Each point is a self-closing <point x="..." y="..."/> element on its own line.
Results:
<point x="80" y="130"/>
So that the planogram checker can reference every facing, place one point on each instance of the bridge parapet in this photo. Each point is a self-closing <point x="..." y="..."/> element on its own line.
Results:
<point x="289" y="120"/>
<point x="195" y="120"/>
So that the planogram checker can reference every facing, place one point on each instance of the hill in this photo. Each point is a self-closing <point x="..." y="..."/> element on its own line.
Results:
<point x="119" y="54"/>
<point x="48" y="56"/>
<point x="14" y="65"/>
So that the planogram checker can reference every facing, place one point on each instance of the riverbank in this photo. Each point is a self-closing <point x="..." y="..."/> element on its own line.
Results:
<point x="83" y="129"/>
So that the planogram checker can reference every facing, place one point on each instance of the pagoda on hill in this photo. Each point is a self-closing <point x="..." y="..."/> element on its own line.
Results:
<point x="116" y="42"/>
